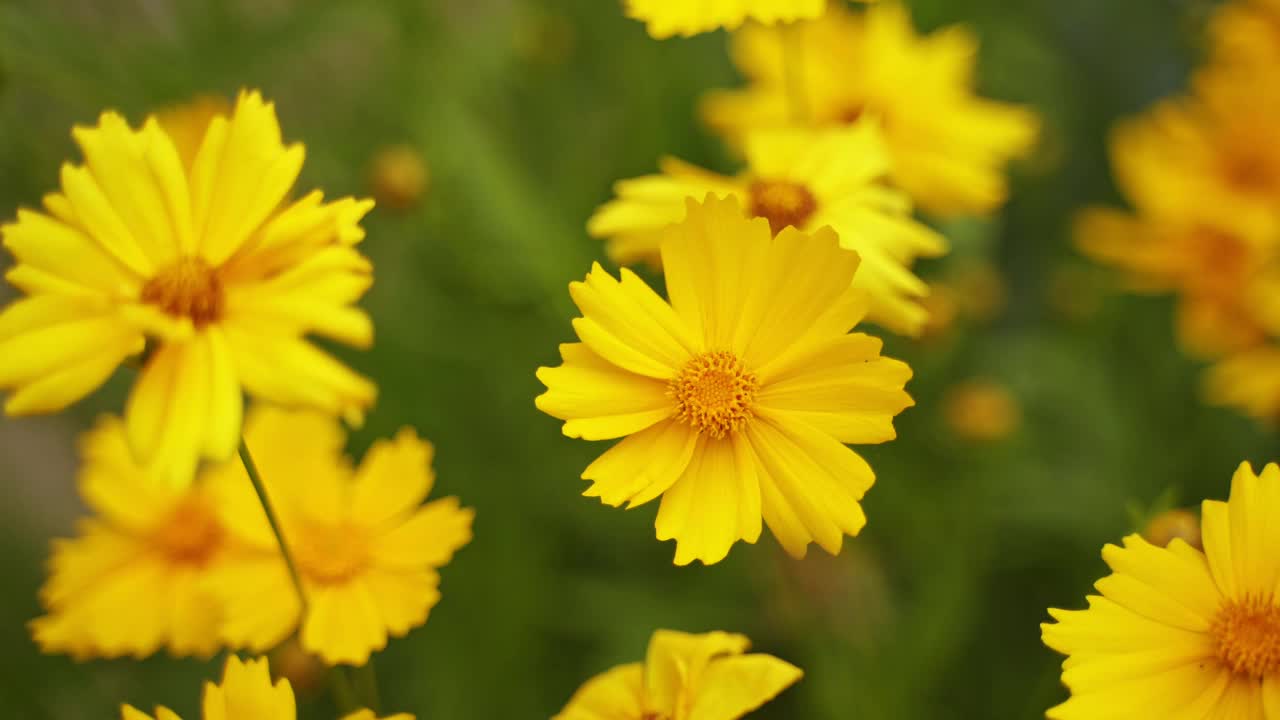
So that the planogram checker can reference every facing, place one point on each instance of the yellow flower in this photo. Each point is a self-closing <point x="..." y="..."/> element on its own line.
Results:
<point x="804" y="180"/>
<point x="981" y="410"/>
<point x="948" y="145"/>
<point x="399" y="176"/>
<point x="246" y="693"/>
<point x="684" y="677"/>
<point x="366" y="547"/>
<point x="186" y="124"/>
<point x="371" y="715"/>
<point x="210" y="266"/>
<point x="1248" y="381"/>
<point x="1176" y="632"/>
<point x="735" y="397"/>
<point x="690" y="17"/>
<point x="1243" y="33"/>
<point x="135" y="579"/>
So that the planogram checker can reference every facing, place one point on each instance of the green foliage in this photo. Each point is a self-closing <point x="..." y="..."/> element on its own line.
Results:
<point x="527" y="112"/>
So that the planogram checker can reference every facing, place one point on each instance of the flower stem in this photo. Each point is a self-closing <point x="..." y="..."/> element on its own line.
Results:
<point x="274" y="521"/>
<point x="368" y="679"/>
<point x="792" y="39"/>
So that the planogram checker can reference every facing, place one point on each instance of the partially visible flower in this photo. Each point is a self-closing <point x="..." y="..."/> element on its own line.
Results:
<point x="135" y="580"/>
<point x="187" y="123"/>
<point x="303" y="670"/>
<point x="735" y="398"/>
<point x="399" y="176"/>
<point x="948" y="145"/>
<point x="981" y="410"/>
<point x="1176" y="524"/>
<point x="366" y="547"/>
<point x="246" y="693"/>
<point x="1243" y="34"/>
<point x="210" y="267"/>
<point x="371" y="715"/>
<point x="1248" y="381"/>
<point x="795" y="179"/>
<point x="1176" y="632"/>
<point x="665" y="18"/>
<point x="684" y="677"/>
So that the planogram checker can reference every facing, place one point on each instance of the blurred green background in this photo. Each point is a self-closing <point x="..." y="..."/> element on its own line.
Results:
<point x="526" y="111"/>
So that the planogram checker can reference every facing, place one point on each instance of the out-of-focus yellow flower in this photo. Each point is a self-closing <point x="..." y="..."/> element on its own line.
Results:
<point x="1243" y="34"/>
<point x="665" y="18"/>
<point x="685" y="677"/>
<point x="212" y="265"/>
<point x="801" y="179"/>
<point x="734" y="398"/>
<point x="366" y="547"/>
<point x="246" y="693"/>
<point x="304" y="671"/>
<point x="948" y="145"/>
<point x="942" y="308"/>
<point x="186" y="124"/>
<point x="981" y="410"/>
<point x="371" y="715"/>
<point x="1197" y="634"/>
<point x="1170" y="525"/>
<point x="135" y="579"/>
<point x="1248" y="381"/>
<point x="399" y="176"/>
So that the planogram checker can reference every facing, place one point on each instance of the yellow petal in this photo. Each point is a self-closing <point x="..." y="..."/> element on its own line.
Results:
<point x="615" y="693"/>
<point x="260" y="604"/>
<point x="676" y="660"/>
<point x="599" y="400"/>
<point x="625" y="322"/>
<point x="715" y="503"/>
<point x="40" y="242"/>
<point x="641" y="467"/>
<point x="690" y="17"/>
<point x="392" y="480"/>
<point x="343" y="624"/>
<point x="246" y="692"/>
<point x="428" y="538"/>
<point x="292" y="372"/>
<point x="734" y="686"/>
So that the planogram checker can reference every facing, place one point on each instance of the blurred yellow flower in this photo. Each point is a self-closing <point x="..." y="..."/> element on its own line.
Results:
<point x="1176" y="632"/>
<point x="212" y="265"/>
<point x="1249" y="381"/>
<point x="398" y="176"/>
<point x="366" y="547"/>
<point x="684" y="677"/>
<point x="246" y="693"/>
<point x="665" y="18"/>
<point x="1243" y="33"/>
<point x="948" y="146"/>
<point x="981" y="410"/>
<point x="801" y="179"/>
<point x="371" y="715"/>
<point x="734" y="399"/>
<point x="1170" y="525"/>
<point x="135" y="579"/>
<point x="187" y="123"/>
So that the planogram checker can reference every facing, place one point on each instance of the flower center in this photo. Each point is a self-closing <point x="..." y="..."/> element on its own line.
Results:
<point x="713" y="393"/>
<point x="188" y="288"/>
<point x="1246" y="636"/>
<point x="330" y="554"/>
<point x="191" y="534"/>
<point x="782" y="203"/>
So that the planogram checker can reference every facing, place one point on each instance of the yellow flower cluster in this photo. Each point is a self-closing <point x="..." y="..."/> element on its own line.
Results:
<point x="1202" y="176"/>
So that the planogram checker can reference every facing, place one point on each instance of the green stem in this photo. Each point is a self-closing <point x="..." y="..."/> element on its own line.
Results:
<point x="274" y="521"/>
<point x="792" y="39"/>
<point x="344" y="692"/>
<point x="368" y="678"/>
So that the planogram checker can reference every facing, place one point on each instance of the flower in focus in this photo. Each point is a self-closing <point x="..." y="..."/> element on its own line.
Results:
<point x="981" y="411"/>
<point x="684" y="677"/>
<point x="798" y="179"/>
<point x="210" y="267"/>
<point x="135" y="579"/>
<point x="399" y="176"/>
<point x="665" y="18"/>
<point x="366" y="547"/>
<point x="1176" y="632"/>
<point x="948" y="145"/>
<point x="246" y="693"/>
<point x="734" y="398"/>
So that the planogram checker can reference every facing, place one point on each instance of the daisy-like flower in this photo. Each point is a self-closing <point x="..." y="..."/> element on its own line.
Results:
<point x="1176" y="632"/>
<point x="665" y="18"/>
<point x="733" y="399"/>
<point x="1248" y="381"/>
<point x="948" y="145"/>
<point x="246" y="693"/>
<point x="1243" y="33"/>
<point x="684" y="677"/>
<point x="366" y="547"/>
<point x="801" y="179"/>
<point x="135" y="579"/>
<point x="208" y="265"/>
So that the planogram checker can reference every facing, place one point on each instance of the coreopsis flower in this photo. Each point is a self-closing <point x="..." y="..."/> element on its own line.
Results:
<point x="246" y="693"/>
<point x="366" y="547"/>
<point x="981" y="410"/>
<point x="1243" y="34"/>
<point x="1175" y="524"/>
<point x="684" y="677"/>
<point x="1176" y="632"/>
<point x="1248" y="381"/>
<point x="734" y="399"/>
<point x="801" y="179"/>
<point x="665" y="18"/>
<point x="135" y="578"/>
<point x="948" y="145"/>
<point x="210" y="267"/>
<point x="399" y="176"/>
<point x="187" y="123"/>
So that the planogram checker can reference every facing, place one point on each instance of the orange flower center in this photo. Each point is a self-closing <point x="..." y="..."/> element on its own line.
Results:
<point x="714" y="393"/>
<point x="191" y="534"/>
<point x="330" y="554"/>
<point x="188" y="288"/>
<point x="782" y="202"/>
<point x="1246" y="636"/>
